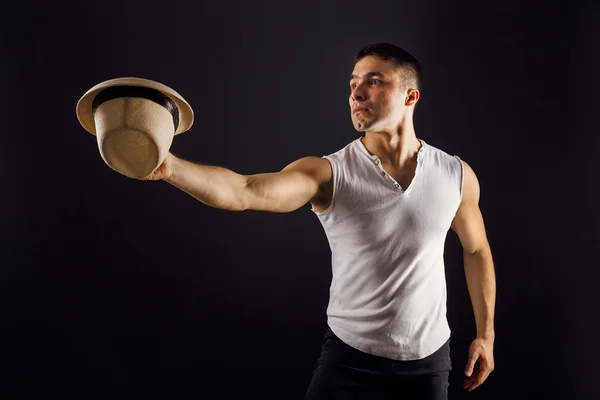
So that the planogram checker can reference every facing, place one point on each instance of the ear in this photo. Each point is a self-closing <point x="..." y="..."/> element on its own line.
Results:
<point x="412" y="97"/>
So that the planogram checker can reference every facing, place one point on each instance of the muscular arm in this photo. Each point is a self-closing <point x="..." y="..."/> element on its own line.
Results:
<point x="478" y="264"/>
<point x="283" y="191"/>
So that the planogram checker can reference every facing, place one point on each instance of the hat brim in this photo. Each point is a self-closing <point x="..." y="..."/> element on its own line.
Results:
<point x="84" y="105"/>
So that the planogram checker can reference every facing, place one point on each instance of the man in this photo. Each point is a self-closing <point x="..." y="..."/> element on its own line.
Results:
<point x="386" y="202"/>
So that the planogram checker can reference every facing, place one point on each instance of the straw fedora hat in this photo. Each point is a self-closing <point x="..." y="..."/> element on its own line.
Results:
<point x="134" y="121"/>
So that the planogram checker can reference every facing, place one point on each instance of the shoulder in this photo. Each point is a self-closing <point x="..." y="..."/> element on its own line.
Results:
<point x="438" y="153"/>
<point x="317" y="167"/>
<point x="345" y="152"/>
<point x="470" y="183"/>
<point x="326" y="164"/>
<point x="457" y="167"/>
<point x="444" y="161"/>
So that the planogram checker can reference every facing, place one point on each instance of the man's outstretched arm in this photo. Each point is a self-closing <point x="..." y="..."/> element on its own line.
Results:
<point x="283" y="191"/>
<point x="481" y="280"/>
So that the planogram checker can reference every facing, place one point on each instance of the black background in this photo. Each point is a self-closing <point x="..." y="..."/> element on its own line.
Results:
<point x="113" y="287"/>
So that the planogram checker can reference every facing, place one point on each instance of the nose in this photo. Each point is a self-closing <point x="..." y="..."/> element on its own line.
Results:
<point x="358" y="93"/>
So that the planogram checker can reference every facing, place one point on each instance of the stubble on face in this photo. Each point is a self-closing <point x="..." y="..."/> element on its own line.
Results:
<point x="377" y="98"/>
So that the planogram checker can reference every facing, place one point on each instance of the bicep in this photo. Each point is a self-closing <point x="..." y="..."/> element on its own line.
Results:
<point x="288" y="189"/>
<point x="468" y="222"/>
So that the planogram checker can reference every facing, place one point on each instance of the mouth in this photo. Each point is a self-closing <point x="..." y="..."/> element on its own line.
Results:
<point x="358" y="110"/>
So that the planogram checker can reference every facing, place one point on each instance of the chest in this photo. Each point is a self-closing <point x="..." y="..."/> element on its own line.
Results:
<point x="407" y="196"/>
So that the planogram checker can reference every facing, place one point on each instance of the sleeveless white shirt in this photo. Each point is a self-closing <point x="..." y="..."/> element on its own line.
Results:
<point x="388" y="288"/>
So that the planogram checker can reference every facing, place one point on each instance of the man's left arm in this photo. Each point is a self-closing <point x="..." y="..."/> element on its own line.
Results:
<point x="481" y="280"/>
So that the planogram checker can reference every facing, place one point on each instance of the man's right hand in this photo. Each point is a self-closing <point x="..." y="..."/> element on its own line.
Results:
<point x="164" y="171"/>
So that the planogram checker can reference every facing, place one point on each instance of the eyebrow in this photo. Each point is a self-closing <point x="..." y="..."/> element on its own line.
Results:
<point x="368" y="75"/>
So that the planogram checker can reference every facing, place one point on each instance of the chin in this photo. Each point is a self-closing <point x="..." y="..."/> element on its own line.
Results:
<point x="361" y="126"/>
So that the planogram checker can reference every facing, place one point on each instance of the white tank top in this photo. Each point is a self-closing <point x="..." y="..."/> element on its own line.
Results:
<point x="388" y="288"/>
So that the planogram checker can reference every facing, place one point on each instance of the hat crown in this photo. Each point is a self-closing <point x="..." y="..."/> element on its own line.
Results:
<point x="134" y="135"/>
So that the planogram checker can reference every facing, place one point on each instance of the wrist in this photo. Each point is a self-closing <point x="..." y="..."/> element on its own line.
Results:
<point x="486" y="335"/>
<point x="171" y="165"/>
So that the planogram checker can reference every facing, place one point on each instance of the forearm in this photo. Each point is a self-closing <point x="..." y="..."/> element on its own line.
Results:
<point x="481" y="282"/>
<point x="214" y="186"/>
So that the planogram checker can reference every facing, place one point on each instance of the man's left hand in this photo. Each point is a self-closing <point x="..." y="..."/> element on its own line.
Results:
<point x="482" y="353"/>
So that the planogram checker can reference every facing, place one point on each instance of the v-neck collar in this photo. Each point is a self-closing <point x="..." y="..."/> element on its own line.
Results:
<point x="377" y="163"/>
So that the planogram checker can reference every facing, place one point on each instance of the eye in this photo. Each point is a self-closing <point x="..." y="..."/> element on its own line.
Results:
<point x="352" y="85"/>
<point x="374" y="81"/>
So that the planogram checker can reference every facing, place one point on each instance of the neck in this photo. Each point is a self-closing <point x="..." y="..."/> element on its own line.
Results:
<point x="395" y="147"/>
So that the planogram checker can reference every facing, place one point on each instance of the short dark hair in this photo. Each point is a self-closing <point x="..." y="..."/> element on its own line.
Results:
<point x="399" y="56"/>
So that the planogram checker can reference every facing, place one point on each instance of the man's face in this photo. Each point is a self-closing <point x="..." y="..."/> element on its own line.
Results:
<point x="377" y="98"/>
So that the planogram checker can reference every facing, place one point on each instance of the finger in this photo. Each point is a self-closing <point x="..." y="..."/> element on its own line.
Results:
<point x="477" y="382"/>
<point x="473" y="380"/>
<point x="471" y="386"/>
<point x="471" y="364"/>
<point x="474" y="386"/>
<point x="469" y="381"/>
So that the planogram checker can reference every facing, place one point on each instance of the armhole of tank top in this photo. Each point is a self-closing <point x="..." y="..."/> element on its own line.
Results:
<point x="335" y="179"/>
<point x="462" y="176"/>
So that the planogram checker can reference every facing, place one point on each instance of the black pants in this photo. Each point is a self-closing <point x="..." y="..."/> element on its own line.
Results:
<point x="345" y="373"/>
